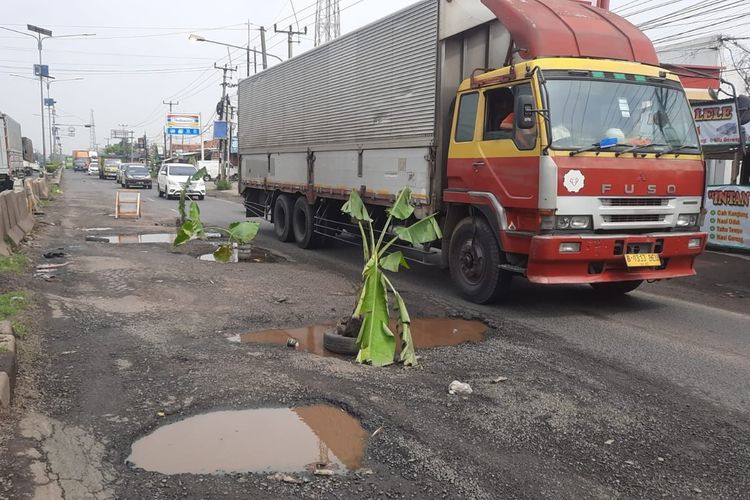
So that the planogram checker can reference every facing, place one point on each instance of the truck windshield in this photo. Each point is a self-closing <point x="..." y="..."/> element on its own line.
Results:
<point x="648" y="117"/>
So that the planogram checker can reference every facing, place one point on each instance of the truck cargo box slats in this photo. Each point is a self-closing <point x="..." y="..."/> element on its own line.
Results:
<point x="374" y="85"/>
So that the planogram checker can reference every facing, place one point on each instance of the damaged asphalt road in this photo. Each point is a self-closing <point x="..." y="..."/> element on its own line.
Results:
<point x="600" y="401"/>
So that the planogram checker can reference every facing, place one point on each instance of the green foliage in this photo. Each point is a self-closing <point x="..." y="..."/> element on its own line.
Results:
<point x="12" y="304"/>
<point x="223" y="185"/>
<point x="376" y="341"/>
<point x="19" y="329"/>
<point x="238" y="233"/>
<point x="14" y="264"/>
<point x="183" y="194"/>
<point x="55" y="190"/>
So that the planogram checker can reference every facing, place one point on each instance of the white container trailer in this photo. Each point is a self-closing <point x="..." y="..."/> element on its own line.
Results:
<point x="367" y="110"/>
<point x="11" y="151"/>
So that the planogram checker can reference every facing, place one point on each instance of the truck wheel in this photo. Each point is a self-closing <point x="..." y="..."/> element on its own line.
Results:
<point x="282" y="217"/>
<point x="474" y="262"/>
<point x="616" y="287"/>
<point x="303" y="223"/>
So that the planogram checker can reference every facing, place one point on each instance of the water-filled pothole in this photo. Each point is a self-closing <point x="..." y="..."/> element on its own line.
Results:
<point x="251" y="254"/>
<point x="120" y="239"/>
<point x="426" y="332"/>
<point x="300" y="439"/>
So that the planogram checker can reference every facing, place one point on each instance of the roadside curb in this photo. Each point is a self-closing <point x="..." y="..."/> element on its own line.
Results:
<point x="230" y="195"/>
<point x="7" y="363"/>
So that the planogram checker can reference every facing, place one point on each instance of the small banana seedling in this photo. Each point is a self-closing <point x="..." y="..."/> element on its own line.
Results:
<point x="376" y="341"/>
<point x="237" y="233"/>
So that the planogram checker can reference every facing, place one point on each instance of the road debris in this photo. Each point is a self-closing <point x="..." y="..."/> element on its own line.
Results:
<point x="54" y="254"/>
<point x="497" y="380"/>
<point x="286" y="478"/>
<point x="461" y="388"/>
<point x="609" y="441"/>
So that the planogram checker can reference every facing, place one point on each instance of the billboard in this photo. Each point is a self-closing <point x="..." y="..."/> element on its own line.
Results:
<point x="728" y="216"/>
<point x="183" y="123"/>
<point x="220" y="130"/>
<point x="717" y="123"/>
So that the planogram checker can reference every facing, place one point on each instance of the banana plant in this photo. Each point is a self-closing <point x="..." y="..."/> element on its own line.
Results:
<point x="376" y="341"/>
<point x="237" y="233"/>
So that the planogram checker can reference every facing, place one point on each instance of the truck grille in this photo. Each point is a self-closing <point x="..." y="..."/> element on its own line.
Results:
<point x="635" y="202"/>
<point x="634" y="218"/>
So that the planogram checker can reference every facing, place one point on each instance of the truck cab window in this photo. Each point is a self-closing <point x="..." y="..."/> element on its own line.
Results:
<point x="499" y="114"/>
<point x="467" y="117"/>
<point x="499" y="117"/>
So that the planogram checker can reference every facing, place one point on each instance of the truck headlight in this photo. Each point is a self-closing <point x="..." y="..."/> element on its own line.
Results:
<point x="687" y="220"/>
<point x="573" y="222"/>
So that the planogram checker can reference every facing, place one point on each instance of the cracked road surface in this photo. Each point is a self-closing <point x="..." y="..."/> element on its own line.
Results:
<point x="643" y="397"/>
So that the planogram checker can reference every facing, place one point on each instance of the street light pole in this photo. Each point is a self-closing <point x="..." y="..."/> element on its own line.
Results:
<point x="41" y="35"/>
<point x="262" y="52"/>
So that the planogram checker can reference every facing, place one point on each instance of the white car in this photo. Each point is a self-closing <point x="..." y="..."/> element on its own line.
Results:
<point x="93" y="169"/>
<point x="173" y="176"/>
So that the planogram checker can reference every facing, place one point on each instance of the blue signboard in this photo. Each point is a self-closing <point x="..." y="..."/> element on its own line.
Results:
<point x="183" y="131"/>
<point x="49" y="102"/>
<point x="220" y="130"/>
<point x="41" y="70"/>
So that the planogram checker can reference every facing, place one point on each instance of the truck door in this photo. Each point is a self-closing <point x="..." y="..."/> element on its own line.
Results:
<point x="489" y="154"/>
<point x="510" y="155"/>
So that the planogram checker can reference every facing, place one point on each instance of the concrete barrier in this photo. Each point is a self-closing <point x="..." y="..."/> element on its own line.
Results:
<point x="8" y="368"/>
<point x="16" y="212"/>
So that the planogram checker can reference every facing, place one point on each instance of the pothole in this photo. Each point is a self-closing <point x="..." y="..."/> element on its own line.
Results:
<point x="301" y="439"/>
<point x="251" y="254"/>
<point x="425" y="332"/>
<point x="120" y="239"/>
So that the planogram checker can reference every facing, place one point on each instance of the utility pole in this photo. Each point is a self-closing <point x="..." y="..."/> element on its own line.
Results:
<point x="223" y="111"/>
<point x="290" y="34"/>
<point x="262" y="47"/>
<point x="170" y="103"/>
<point x="92" y="137"/>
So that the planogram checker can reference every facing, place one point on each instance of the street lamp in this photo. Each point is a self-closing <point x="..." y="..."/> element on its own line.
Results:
<point x="199" y="38"/>
<point x="41" y="35"/>
<point x="50" y="115"/>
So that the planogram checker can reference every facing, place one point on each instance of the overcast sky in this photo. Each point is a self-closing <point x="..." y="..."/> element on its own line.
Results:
<point x="141" y="54"/>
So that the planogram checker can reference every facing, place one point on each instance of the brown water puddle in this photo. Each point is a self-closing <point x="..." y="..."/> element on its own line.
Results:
<point x="140" y="238"/>
<point x="261" y="440"/>
<point x="120" y="239"/>
<point x="253" y="254"/>
<point x="427" y="332"/>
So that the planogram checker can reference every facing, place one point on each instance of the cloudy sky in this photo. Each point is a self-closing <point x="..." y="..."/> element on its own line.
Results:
<point x="141" y="54"/>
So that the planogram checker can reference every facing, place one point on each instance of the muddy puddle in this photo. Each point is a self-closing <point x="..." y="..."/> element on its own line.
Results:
<point x="121" y="239"/>
<point x="426" y="332"/>
<point x="288" y="440"/>
<point x="253" y="254"/>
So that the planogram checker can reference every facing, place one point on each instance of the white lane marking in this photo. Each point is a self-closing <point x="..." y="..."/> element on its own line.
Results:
<point x="175" y="211"/>
<point x="150" y="199"/>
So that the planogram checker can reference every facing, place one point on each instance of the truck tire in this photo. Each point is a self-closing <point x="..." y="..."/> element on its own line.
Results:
<point x="339" y="344"/>
<point x="282" y="217"/>
<point x="474" y="258"/>
<point x="303" y="224"/>
<point x="615" y="288"/>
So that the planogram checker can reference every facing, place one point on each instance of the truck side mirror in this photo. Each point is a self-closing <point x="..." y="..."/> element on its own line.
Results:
<point x="524" y="112"/>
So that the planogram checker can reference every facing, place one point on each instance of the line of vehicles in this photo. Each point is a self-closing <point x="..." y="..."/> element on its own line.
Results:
<point x="545" y="135"/>
<point x="16" y="153"/>
<point x="170" y="178"/>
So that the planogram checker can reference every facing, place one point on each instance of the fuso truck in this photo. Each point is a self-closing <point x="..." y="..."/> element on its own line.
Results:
<point x="11" y="152"/>
<point x="544" y="134"/>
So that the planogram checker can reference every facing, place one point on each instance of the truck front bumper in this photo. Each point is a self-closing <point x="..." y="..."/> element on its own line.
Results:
<point x="601" y="258"/>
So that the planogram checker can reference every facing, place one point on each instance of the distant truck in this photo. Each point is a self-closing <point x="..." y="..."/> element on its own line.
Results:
<point x="543" y="133"/>
<point x="11" y="152"/>
<point x="109" y="168"/>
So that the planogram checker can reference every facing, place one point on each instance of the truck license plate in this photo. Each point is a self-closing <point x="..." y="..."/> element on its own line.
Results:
<point x="642" y="260"/>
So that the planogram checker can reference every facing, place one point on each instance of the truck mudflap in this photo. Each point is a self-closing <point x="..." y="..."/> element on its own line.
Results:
<point x="559" y="258"/>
